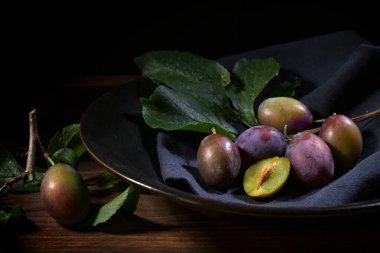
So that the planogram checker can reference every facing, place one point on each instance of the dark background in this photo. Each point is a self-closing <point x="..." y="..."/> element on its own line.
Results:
<point x="45" y="47"/>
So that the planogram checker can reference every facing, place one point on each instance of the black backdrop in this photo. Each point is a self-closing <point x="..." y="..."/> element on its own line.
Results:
<point x="44" y="46"/>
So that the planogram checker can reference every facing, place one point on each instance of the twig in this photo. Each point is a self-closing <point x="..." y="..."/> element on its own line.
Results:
<point x="367" y="115"/>
<point x="15" y="179"/>
<point x="33" y="135"/>
<point x="45" y="154"/>
<point x="34" y="138"/>
<point x="355" y="119"/>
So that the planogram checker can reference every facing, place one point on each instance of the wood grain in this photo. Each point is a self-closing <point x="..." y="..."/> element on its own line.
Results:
<point x="158" y="225"/>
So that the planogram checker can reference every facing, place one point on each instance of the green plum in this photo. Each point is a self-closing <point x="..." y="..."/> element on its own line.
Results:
<point x="64" y="194"/>
<point x="344" y="139"/>
<point x="280" y="111"/>
<point x="266" y="177"/>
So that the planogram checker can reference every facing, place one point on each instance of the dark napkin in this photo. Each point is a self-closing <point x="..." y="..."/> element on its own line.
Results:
<point x="340" y="73"/>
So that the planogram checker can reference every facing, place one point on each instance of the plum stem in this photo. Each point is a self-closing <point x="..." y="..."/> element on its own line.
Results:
<point x="286" y="131"/>
<point x="319" y="120"/>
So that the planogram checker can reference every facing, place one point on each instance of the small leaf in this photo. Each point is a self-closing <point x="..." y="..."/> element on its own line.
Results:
<point x="68" y="138"/>
<point x="66" y="155"/>
<point x="126" y="200"/>
<point x="8" y="215"/>
<point x="284" y="89"/>
<point x="8" y="166"/>
<point x="55" y="143"/>
<point x="108" y="180"/>
<point x="69" y="133"/>
<point x="193" y="95"/>
<point x="249" y="80"/>
<point x="76" y="143"/>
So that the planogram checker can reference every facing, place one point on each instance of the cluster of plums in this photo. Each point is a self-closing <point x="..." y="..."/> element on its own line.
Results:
<point x="267" y="156"/>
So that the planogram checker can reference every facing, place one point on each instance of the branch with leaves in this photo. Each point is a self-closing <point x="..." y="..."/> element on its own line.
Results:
<point x="28" y="174"/>
<point x="64" y="147"/>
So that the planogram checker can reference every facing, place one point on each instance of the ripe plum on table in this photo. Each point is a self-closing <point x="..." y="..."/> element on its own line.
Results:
<point x="64" y="194"/>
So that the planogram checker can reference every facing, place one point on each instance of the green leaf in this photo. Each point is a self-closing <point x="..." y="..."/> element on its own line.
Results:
<point x="9" y="168"/>
<point x="8" y="215"/>
<point x="126" y="201"/>
<point x="68" y="138"/>
<point x="174" y="110"/>
<point x="185" y="71"/>
<point x="249" y="80"/>
<point x="66" y="155"/>
<point x="193" y="95"/>
<point x="108" y="180"/>
<point x="284" y="89"/>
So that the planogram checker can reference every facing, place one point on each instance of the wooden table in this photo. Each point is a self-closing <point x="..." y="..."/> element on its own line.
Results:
<point x="159" y="225"/>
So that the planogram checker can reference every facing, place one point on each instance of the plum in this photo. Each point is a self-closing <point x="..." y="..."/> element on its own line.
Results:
<point x="218" y="161"/>
<point x="344" y="139"/>
<point x="280" y="111"/>
<point x="64" y="194"/>
<point x="311" y="159"/>
<point x="260" y="142"/>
